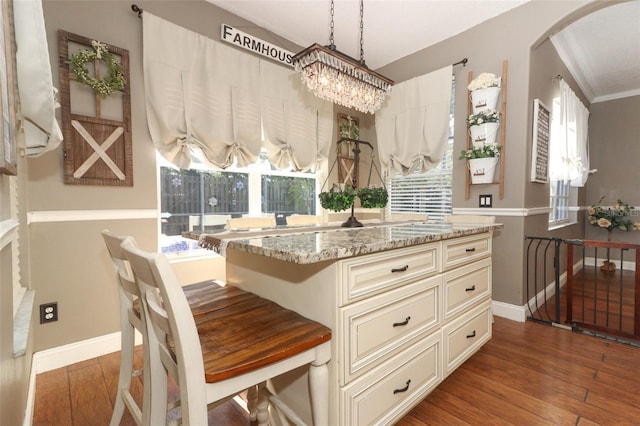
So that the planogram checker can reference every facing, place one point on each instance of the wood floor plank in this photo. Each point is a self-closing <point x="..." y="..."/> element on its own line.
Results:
<point x="459" y="406"/>
<point x="429" y="414"/>
<point x="527" y="374"/>
<point x="90" y="401"/>
<point x="52" y="403"/>
<point x="524" y="378"/>
<point x="110" y="365"/>
<point x="514" y="400"/>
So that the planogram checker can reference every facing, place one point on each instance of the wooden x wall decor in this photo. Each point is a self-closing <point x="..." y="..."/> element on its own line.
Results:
<point x="97" y="130"/>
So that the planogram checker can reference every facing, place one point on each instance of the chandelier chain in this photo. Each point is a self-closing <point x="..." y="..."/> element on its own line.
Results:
<point x="331" y="26"/>
<point x="362" y="32"/>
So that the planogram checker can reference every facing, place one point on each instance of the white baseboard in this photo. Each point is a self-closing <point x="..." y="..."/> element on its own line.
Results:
<point x="626" y="265"/>
<point x="61" y="356"/>
<point x="519" y="313"/>
<point x="508" y="311"/>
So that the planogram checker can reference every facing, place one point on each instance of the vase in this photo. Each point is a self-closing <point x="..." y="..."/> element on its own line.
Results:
<point x="484" y="134"/>
<point x="482" y="169"/>
<point x="484" y="99"/>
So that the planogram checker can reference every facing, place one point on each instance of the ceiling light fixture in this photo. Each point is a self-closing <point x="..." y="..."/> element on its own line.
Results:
<point x="339" y="78"/>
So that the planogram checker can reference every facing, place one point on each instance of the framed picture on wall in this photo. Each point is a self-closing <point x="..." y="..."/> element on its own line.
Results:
<point x="348" y="127"/>
<point x="8" y="163"/>
<point x="540" y="145"/>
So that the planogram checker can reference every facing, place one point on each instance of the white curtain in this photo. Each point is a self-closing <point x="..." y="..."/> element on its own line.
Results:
<point x="201" y="96"/>
<point x="569" y="150"/>
<point x="412" y="126"/>
<point x="35" y="83"/>
<point x="297" y="125"/>
<point x="204" y="96"/>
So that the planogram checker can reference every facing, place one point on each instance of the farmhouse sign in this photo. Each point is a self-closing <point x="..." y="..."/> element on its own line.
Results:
<point x="254" y="44"/>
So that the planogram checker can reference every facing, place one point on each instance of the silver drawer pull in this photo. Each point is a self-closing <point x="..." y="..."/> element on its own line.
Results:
<point x="404" y="389"/>
<point x="470" y="250"/>
<point x="472" y="288"/>
<point x="469" y="336"/>
<point x="401" y="323"/>
<point x="404" y="268"/>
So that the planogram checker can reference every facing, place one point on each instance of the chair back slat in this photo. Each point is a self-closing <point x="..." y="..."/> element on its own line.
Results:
<point x="155" y="277"/>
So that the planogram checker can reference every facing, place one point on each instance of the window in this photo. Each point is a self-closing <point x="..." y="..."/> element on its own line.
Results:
<point x="429" y="192"/>
<point x="561" y="194"/>
<point x="559" y="202"/>
<point x="203" y="199"/>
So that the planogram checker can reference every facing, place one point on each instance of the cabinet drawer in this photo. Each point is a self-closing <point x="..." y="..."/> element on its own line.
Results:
<point x="388" y="392"/>
<point x="381" y="326"/>
<point x="465" y="286"/>
<point x="372" y="274"/>
<point x="465" y="335"/>
<point x="461" y="251"/>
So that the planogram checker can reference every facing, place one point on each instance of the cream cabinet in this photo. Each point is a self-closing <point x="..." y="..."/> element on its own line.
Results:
<point x="402" y="319"/>
<point x="406" y="319"/>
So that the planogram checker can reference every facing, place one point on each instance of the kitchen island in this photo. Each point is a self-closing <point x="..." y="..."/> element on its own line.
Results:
<point x="407" y="303"/>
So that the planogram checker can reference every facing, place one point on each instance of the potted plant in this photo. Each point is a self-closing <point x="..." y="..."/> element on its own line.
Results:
<point x="482" y="162"/>
<point x="338" y="198"/>
<point x="483" y="127"/>
<point x="373" y="197"/>
<point x="611" y="218"/>
<point x="485" y="90"/>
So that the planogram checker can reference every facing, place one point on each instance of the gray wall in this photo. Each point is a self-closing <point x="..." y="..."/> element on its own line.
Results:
<point x="71" y="265"/>
<point x="614" y="129"/>
<point x="511" y="37"/>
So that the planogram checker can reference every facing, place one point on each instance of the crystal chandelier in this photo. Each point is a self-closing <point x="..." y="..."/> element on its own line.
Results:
<point x="339" y="78"/>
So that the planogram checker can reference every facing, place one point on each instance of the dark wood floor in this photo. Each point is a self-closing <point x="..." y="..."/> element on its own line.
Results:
<point x="603" y="302"/>
<point x="527" y="374"/>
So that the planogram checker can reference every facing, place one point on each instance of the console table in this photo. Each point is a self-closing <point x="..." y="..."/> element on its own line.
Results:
<point x="407" y="304"/>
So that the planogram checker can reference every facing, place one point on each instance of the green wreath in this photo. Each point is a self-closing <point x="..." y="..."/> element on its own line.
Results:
<point x="113" y="82"/>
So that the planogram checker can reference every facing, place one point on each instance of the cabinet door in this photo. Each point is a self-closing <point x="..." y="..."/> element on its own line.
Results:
<point x="465" y="335"/>
<point x="373" y="330"/>
<point x="386" y="394"/>
<point x="465" y="286"/>
<point x="365" y="276"/>
<point x="461" y="251"/>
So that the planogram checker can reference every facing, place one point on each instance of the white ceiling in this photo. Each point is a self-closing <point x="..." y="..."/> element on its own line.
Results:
<point x="392" y="28"/>
<point x="602" y="50"/>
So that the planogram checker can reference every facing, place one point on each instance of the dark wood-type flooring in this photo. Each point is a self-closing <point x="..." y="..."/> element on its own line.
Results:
<point x="527" y="374"/>
<point x="603" y="302"/>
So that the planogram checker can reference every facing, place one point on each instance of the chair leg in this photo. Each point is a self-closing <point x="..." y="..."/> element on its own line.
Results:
<point x="319" y="390"/>
<point x="127" y="342"/>
<point x="252" y="402"/>
<point x="262" y="406"/>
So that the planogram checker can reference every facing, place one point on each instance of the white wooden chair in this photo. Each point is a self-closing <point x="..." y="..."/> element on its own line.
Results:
<point x="130" y="321"/>
<point x="469" y="218"/>
<point x="251" y="222"/>
<point x="227" y="350"/>
<point x="303" y="219"/>
<point x="202" y="297"/>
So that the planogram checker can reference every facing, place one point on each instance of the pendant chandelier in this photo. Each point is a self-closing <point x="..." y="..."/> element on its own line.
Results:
<point x="339" y="78"/>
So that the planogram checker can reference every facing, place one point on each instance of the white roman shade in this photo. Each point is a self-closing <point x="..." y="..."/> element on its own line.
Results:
<point x="205" y="96"/>
<point x="35" y="84"/>
<point x="201" y="95"/>
<point x="412" y="126"/>
<point x="297" y="125"/>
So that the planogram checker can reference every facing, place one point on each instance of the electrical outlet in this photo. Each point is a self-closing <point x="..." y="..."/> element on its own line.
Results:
<point x="48" y="312"/>
<point x="485" y="200"/>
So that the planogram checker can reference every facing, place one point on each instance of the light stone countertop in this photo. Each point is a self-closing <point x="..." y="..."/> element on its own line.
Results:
<point x="319" y="243"/>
